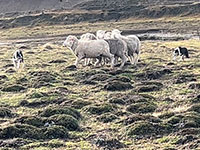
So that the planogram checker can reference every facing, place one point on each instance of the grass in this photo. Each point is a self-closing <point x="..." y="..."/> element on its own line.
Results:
<point x="155" y="56"/>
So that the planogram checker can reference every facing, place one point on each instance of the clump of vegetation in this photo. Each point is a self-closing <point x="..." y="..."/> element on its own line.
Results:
<point x="142" y="107"/>
<point x="144" y="128"/>
<point x="31" y="120"/>
<point x="107" y="117"/>
<point x="100" y="109"/>
<point x="54" y="132"/>
<point x="13" y="88"/>
<point x="117" y="86"/>
<point x="195" y="107"/>
<point x="38" y="95"/>
<point x="63" y="110"/>
<point x="20" y="131"/>
<point x="5" y="112"/>
<point x="66" y="121"/>
<point x="78" y="104"/>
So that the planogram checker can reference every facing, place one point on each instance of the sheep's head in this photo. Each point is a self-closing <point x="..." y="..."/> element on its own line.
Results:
<point x="70" y="40"/>
<point x="116" y="33"/>
<point x="100" y="34"/>
<point x="108" y="35"/>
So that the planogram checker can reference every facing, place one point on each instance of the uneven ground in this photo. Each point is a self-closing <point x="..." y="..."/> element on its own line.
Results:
<point x="50" y="104"/>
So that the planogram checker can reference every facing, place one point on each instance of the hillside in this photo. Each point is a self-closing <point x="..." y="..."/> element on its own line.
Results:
<point x="50" y="104"/>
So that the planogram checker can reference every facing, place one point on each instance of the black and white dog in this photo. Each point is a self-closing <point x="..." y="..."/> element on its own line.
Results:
<point x="180" y="51"/>
<point x="18" y="58"/>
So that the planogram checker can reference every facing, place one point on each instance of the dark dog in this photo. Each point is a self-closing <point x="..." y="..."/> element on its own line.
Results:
<point x="18" y="58"/>
<point x="180" y="51"/>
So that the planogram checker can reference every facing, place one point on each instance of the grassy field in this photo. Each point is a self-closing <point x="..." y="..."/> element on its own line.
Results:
<point x="51" y="105"/>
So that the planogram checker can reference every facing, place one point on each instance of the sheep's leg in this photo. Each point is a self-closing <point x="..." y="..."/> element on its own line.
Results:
<point x="124" y="60"/>
<point x="78" y="59"/>
<point x="131" y="59"/>
<point x="112" y="59"/>
<point x="98" y="61"/>
<point x="136" y="59"/>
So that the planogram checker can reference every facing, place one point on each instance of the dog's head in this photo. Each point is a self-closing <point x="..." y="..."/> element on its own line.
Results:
<point x="176" y="51"/>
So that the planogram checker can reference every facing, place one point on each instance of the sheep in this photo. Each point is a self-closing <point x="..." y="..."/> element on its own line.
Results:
<point x="100" y="34"/>
<point x="88" y="49"/>
<point x="133" y="45"/>
<point x="88" y="36"/>
<point x="107" y="35"/>
<point x="17" y="59"/>
<point x="118" y="48"/>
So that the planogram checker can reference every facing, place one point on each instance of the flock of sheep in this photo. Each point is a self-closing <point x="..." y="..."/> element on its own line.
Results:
<point x="104" y="47"/>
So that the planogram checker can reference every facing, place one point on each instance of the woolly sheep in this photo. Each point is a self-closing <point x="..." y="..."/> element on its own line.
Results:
<point x="118" y="48"/>
<point x="133" y="45"/>
<point x="88" y="36"/>
<point x="100" y="34"/>
<point x="88" y="49"/>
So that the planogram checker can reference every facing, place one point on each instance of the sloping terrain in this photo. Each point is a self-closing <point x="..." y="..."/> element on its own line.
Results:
<point x="92" y="11"/>
<point x="36" y="5"/>
<point x="50" y="104"/>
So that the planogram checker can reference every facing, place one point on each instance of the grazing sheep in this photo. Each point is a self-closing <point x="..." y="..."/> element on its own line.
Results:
<point x="89" y="49"/>
<point x="18" y="58"/>
<point x="180" y="51"/>
<point x="133" y="45"/>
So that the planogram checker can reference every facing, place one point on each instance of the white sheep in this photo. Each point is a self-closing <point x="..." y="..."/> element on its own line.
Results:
<point x="133" y="45"/>
<point x="118" y="49"/>
<point x="88" y="49"/>
<point x="108" y="35"/>
<point x="88" y="36"/>
<point x="100" y="34"/>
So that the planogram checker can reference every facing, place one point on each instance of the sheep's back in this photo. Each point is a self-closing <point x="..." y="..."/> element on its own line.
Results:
<point x="92" y="48"/>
